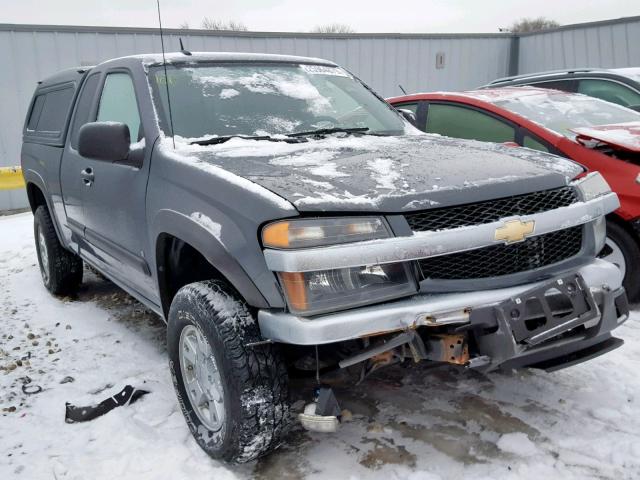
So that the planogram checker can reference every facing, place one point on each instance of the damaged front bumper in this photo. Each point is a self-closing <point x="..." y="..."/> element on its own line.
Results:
<point x="546" y="324"/>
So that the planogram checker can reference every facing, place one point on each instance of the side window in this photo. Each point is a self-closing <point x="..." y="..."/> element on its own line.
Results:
<point x="118" y="103"/>
<point x="413" y="106"/>
<point x="50" y="110"/>
<point x="563" y="85"/>
<point x="83" y="109"/>
<point x="35" y="112"/>
<point x="532" y="143"/>
<point x="407" y="106"/>
<point x="461" y="122"/>
<point x="610" y="91"/>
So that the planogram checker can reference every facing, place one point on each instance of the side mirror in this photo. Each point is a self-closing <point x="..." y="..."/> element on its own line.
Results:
<point x="408" y="115"/>
<point x="107" y="141"/>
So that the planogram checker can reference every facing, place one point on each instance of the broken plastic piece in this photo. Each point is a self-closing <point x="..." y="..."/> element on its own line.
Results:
<point x="318" y="423"/>
<point x="323" y="415"/>
<point x="327" y="404"/>
<point x="126" y="396"/>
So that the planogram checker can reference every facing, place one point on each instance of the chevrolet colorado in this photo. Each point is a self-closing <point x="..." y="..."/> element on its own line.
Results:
<point x="273" y="208"/>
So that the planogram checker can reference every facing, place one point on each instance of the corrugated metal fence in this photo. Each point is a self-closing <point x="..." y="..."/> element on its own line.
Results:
<point x="29" y="53"/>
<point x="608" y="44"/>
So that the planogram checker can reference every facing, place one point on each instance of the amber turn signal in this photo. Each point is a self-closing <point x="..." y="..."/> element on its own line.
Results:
<point x="296" y="290"/>
<point x="276" y="235"/>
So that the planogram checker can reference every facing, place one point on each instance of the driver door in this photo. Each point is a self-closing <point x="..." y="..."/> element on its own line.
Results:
<point x="114" y="194"/>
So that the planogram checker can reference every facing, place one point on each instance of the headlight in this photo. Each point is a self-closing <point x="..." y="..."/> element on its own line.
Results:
<point x="310" y="293"/>
<point x="593" y="186"/>
<point x="318" y="232"/>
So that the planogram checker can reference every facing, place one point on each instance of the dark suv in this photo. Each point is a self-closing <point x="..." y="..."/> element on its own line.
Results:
<point x="617" y="85"/>
<point x="268" y="205"/>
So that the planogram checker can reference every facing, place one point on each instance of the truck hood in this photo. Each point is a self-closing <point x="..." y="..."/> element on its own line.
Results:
<point x="625" y="136"/>
<point x="385" y="174"/>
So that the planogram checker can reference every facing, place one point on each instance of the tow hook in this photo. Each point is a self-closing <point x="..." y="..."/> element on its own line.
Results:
<point x="323" y="414"/>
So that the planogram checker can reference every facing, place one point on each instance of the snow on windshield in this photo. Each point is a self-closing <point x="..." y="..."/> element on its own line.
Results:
<point x="289" y="83"/>
<point x="250" y="99"/>
<point x="562" y="112"/>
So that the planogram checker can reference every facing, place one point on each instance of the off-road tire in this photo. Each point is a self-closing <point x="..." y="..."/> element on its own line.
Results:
<point x="62" y="273"/>
<point x="631" y="252"/>
<point x="254" y="378"/>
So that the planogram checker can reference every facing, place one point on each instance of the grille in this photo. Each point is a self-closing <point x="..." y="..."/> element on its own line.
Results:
<point x="490" y="211"/>
<point x="497" y="260"/>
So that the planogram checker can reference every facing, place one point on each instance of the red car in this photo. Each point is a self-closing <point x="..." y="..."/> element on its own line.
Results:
<point x="600" y="135"/>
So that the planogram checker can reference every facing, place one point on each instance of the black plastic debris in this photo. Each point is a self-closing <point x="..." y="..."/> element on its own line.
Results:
<point x="29" y="388"/>
<point x="327" y="404"/>
<point x="126" y="396"/>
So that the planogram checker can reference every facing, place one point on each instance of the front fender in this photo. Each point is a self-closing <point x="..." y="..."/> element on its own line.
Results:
<point x="201" y="234"/>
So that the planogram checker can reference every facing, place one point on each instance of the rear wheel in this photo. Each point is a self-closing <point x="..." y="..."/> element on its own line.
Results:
<point x="622" y="250"/>
<point x="234" y="396"/>
<point x="61" y="270"/>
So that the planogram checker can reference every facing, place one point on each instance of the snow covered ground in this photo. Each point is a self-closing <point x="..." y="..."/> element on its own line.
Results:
<point x="408" y="423"/>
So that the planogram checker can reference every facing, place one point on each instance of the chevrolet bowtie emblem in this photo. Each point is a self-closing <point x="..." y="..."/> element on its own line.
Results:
<point x="514" y="231"/>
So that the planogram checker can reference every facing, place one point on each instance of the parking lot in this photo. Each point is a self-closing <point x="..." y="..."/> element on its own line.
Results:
<point x="407" y="422"/>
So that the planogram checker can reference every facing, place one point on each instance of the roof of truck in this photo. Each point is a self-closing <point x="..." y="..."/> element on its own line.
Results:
<point x="63" y="76"/>
<point x="179" y="57"/>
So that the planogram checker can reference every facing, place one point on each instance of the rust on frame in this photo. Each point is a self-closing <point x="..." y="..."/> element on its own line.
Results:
<point x="450" y="348"/>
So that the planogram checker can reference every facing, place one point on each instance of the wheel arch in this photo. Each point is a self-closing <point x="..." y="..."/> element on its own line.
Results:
<point x="626" y="225"/>
<point x="37" y="192"/>
<point x="186" y="252"/>
<point x="38" y="195"/>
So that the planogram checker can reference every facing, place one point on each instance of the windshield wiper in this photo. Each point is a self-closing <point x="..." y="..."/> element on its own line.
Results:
<point x="290" y="138"/>
<point x="224" y="138"/>
<point x="327" y="131"/>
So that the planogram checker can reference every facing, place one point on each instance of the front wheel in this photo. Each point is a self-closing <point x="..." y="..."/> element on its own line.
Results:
<point x="622" y="250"/>
<point x="234" y="396"/>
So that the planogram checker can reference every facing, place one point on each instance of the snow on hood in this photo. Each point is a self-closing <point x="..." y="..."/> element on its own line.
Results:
<point x="621" y="135"/>
<point x="390" y="174"/>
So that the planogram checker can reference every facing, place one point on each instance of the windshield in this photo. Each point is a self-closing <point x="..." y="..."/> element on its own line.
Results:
<point x="266" y="99"/>
<point x="560" y="112"/>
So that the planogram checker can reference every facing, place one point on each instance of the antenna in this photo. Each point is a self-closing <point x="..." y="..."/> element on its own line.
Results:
<point x="403" y="90"/>
<point x="166" y="78"/>
<point x="182" y="50"/>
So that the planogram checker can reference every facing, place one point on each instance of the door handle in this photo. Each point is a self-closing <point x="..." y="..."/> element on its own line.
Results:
<point x="87" y="176"/>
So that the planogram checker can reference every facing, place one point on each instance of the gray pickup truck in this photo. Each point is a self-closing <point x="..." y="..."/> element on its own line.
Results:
<point x="277" y="213"/>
